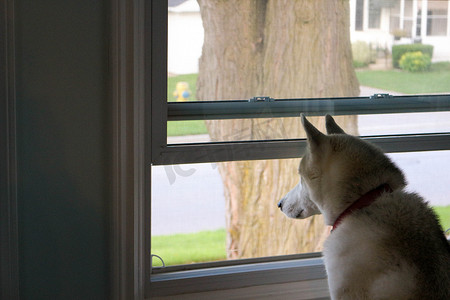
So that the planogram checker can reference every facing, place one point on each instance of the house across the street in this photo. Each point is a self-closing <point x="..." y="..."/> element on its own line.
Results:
<point x="384" y="23"/>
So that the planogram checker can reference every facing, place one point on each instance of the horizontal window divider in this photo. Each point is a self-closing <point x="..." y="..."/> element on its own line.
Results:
<point x="239" y="109"/>
<point x="289" y="148"/>
<point x="237" y="276"/>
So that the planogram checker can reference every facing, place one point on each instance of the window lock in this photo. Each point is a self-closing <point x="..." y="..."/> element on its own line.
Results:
<point x="261" y="99"/>
<point x="380" y="96"/>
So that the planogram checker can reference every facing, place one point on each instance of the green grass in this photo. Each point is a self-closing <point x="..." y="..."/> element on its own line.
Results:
<point x="443" y="213"/>
<point x="205" y="246"/>
<point x="437" y="80"/>
<point x="179" y="128"/>
<point x="189" y="248"/>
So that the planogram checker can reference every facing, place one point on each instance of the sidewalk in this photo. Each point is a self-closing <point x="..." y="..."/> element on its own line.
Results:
<point x="198" y="138"/>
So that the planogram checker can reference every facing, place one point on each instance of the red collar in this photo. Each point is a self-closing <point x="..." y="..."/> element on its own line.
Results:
<point x="363" y="201"/>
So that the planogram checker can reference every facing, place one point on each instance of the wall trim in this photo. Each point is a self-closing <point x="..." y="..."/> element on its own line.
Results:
<point x="9" y="250"/>
<point x="130" y="173"/>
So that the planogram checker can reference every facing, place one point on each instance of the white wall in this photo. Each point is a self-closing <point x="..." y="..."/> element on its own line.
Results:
<point x="185" y="41"/>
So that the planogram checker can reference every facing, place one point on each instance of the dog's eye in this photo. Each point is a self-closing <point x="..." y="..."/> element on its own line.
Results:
<point x="313" y="174"/>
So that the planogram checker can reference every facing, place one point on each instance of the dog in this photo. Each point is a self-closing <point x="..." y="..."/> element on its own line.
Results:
<point x="386" y="243"/>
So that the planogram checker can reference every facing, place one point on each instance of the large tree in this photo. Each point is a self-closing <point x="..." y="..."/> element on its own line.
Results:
<point x="281" y="49"/>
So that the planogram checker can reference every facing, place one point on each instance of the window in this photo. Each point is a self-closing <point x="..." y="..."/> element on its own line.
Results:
<point x="374" y="14"/>
<point x="408" y="20"/>
<point x="386" y="120"/>
<point x="437" y="18"/>
<point x="359" y="23"/>
<point x="368" y="14"/>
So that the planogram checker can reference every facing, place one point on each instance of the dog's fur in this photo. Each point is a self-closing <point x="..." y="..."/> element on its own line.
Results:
<point x="392" y="249"/>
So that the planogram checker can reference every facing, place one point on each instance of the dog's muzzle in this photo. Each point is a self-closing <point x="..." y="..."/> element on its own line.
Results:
<point x="280" y="204"/>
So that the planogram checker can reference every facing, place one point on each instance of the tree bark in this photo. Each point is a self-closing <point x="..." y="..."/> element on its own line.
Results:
<point x="281" y="49"/>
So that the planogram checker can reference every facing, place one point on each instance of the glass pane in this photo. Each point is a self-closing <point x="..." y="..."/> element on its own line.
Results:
<point x="376" y="26"/>
<point x="378" y="33"/>
<point x="209" y="212"/>
<point x="437" y="18"/>
<point x="181" y="132"/>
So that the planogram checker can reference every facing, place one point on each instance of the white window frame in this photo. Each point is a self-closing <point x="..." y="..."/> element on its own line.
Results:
<point x="138" y="61"/>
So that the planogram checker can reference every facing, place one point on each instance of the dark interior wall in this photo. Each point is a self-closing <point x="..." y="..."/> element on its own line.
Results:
<point x="63" y="153"/>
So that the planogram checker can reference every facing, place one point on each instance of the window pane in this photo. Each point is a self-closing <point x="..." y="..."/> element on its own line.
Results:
<point x="359" y="15"/>
<point x="375" y="14"/>
<point x="388" y="23"/>
<point x="290" y="128"/>
<point x="209" y="212"/>
<point x="190" y="211"/>
<point x="194" y="221"/>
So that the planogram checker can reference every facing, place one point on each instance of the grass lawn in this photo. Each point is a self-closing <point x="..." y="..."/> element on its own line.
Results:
<point x="444" y="215"/>
<point x="178" y="249"/>
<point x="178" y="128"/>
<point x="437" y="80"/>
<point x="205" y="246"/>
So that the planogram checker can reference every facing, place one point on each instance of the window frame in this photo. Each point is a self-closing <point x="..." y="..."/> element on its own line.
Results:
<point x="294" y="148"/>
<point x="152" y="149"/>
<point x="9" y="236"/>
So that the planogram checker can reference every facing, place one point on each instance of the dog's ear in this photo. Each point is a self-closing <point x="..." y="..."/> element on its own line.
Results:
<point x="331" y="125"/>
<point x="314" y="136"/>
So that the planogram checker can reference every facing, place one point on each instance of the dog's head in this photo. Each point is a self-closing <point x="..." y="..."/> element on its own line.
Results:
<point x="304" y="199"/>
<point x="336" y="169"/>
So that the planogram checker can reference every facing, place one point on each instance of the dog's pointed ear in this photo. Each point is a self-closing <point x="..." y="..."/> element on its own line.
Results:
<point x="313" y="135"/>
<point x="331" y="125"/>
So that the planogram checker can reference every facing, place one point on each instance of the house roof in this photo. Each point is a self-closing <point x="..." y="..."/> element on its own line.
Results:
<point x="173" y="3"/>
<point x="181" y="6"/>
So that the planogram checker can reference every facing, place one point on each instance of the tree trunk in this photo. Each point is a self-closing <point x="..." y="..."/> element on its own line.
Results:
<point x="281" y="49"/>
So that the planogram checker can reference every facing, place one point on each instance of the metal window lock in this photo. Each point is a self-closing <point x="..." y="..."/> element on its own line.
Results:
<point x="380" y="96"/>
<point x="261" y="99"/>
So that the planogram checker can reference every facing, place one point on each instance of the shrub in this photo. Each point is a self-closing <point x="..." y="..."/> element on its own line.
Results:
<point x="363" y="54"/>
<point x="399" y="50"/>
<point x="415" y="62"/>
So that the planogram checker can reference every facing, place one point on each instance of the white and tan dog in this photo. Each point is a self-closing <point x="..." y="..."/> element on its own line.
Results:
<point x="386" y="243"/>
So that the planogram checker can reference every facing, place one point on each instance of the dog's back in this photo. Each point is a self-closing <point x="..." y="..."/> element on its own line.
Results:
<point x="393" y="249"/>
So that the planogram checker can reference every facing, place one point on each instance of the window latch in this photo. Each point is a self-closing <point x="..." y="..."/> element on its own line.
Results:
<point x="380" y="96"/>
<point x="261" y="99"/>
<point x="157" y="256"/>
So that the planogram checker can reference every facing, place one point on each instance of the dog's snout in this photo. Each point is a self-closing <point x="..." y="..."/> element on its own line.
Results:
<point x="280" y="204"/>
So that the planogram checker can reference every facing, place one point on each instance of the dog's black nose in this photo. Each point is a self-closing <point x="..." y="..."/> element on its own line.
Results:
<point x="280" y="204"/>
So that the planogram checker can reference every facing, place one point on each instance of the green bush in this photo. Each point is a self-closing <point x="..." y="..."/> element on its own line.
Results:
<point x="399" y="50"/>
<point x="363" y="54"/>
<point x="415" y="62"/>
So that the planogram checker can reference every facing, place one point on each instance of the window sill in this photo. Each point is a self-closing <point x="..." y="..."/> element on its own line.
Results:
<point x="304" y="276"/>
